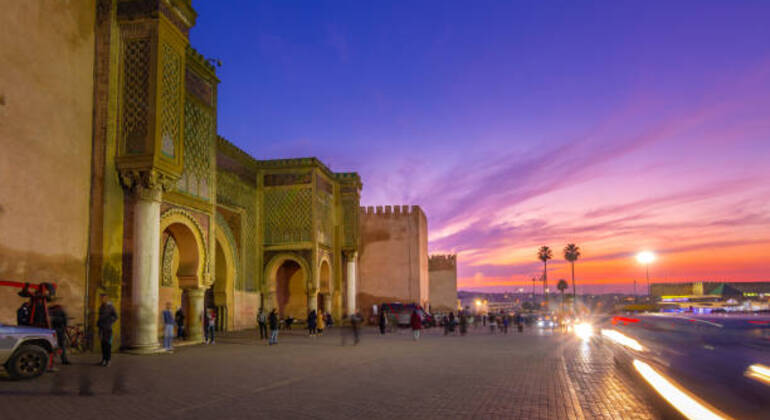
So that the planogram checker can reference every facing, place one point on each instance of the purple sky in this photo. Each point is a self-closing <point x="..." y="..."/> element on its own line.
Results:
<point x="617" y="125"/>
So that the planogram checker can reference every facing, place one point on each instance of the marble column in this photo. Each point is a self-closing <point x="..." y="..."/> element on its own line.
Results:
<point x="352" y="262"/>
<point x="145" y="270"/>
<point x="195" y="314"/>
<point x="312" y="300"/>
<point x="327" y="302"/>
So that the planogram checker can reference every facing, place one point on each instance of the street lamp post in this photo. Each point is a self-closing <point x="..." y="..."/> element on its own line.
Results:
<point x="645" y="257"/>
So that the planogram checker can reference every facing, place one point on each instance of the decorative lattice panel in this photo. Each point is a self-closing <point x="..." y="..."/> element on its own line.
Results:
<point x="171" y="97"/>
<point x="198" y="141"/>
<point x="288" y="215"/>
<point x="167" y="273"/>
<point x="222" y="223"/>
<point x="325" y="215"/>
<point x="136" y="94"/>
<point x="234" y="192"/>
<point x="350" y="224"/>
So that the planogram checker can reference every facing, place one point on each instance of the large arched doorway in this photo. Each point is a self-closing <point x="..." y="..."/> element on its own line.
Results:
<point x="290" y="291"/>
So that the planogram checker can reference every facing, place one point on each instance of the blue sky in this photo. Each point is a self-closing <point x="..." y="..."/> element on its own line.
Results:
<point x="516" y="124"/>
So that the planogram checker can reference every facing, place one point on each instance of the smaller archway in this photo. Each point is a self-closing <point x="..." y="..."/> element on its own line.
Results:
<point x="324" y="287"/>
<point x="182" y="264"/>
<point x="287" y="276"/>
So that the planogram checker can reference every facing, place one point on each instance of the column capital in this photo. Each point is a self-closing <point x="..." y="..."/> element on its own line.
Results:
<point x="196" y="293"/>
<point x="147" y="184"/>
<point x="350" y="255"/>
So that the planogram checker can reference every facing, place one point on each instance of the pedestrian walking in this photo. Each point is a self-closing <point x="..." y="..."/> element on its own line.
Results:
<point x="179" y="318"/>
<point x="383" y="322"/>
<point x="492" y="323"/>
<point x="416" y="324"/>
<point x="107" y="317"/>
<point x="210" y="323"/>
<point x="452" y="321"/>
<point x="463" y="321"/>
<point x="59" y="324"/>
<point x="320" y="323"/>
<point x="262" y="323"/>
<point x="519" y="324"/>
<point x="168" y="327"/>
<point x="272" y="320"/>
<point x="355" y="324"/>
<point x="506" y="321"/>
<point x="312" y="322"/>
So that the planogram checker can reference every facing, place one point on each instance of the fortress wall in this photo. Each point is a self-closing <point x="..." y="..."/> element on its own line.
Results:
<point x="46" y="107"/>
<point x="443" y="282"/>
<point x="393" y="257"/>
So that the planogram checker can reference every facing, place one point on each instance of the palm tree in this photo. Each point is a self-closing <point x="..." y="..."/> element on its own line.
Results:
<point x="544" y="254"/>
<point x="571" y="254"/>
<point x="562" y="286"/>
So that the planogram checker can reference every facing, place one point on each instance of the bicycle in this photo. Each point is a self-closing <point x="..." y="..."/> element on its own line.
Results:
<point x="75" y="339"/>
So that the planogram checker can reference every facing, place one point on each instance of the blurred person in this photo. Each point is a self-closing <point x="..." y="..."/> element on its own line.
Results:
<point x="107" y="317"/>
<point x="416" y="324"/>
<point x="59" y="324"/>
<point x="23" y="314"/>
<point x="383" y="322"/>
<point x="463" y="322"/>
<point x="320" y="324"/>
<point x="168" y="327"/>
<point x="272" y="320"/>
<point x="262" y="323"/>
<point x="312" y="323"/>
<point x="492" y="323"/>
<point x="210" y="323"/>
<point x="506" y="320"/>
<point x="179" y="318"/>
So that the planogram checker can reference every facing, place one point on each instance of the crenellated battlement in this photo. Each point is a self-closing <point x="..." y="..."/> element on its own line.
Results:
<point x="399" y="210"/>
<point x="442" y="262"/>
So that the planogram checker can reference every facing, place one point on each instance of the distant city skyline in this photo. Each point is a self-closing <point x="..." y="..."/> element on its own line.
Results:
<point x="620" y="127"/>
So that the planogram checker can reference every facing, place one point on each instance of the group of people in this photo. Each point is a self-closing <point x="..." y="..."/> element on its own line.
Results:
<point x="317" y="323"/>
<point x="209" y="318"/>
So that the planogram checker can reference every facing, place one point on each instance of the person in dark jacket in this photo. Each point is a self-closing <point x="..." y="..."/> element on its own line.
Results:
<point x="272" y="320"/>
<point x="59" y="324"/>
<point x="311" y="322"/>
<point x="179" y="318"/>
<point x="23" y="314"/>
<point x="107" y="317"/>
<point x="383" y="321"/>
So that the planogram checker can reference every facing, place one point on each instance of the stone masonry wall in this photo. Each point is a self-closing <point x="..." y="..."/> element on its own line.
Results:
<point x="46" y="107"/>
<point x="393" y="258"/>
<point x="443" y="282"/>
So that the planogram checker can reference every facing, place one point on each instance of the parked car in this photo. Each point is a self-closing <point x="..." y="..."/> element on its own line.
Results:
<point x="400" y="314"/>
<point x="25" y="352"/>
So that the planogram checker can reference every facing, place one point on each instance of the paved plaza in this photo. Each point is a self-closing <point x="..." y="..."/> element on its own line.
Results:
<point x="533" y="375"/>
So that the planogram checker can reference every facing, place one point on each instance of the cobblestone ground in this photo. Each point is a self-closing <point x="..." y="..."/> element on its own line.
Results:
<point x="528" y="376"/>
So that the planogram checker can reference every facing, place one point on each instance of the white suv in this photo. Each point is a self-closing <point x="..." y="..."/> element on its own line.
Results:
<point x="26" y="351"/>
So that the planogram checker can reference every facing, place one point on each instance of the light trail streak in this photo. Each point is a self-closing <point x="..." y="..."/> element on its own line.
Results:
<point x="759" y="372"/>
<point x="671" y="392"/>
<point x="622" y="339"/>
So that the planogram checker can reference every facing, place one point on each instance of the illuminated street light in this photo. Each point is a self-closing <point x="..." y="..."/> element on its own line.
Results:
<point x="478" y="302"/>
<point x="645" y="257"/>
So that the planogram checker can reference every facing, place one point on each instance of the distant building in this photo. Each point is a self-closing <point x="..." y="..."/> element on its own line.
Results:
<point x="393" y="256"/>
<point x="723" y="289"/>
<point x="442" y="276"/>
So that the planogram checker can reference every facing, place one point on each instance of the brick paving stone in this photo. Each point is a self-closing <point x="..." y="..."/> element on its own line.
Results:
<point x="535" y="375"/>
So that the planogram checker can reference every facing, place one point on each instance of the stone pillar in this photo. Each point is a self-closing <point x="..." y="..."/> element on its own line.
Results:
<point x="145" y="270"/>
<point x="312" y="300"/>
<point x="195" y="314"/>
<point x="352" y="262"/>
<point x="270" y="302"/>
<point x="327" y="302"/>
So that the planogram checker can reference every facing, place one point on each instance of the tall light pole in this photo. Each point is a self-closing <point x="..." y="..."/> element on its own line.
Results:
<point x="645" y="257"/>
